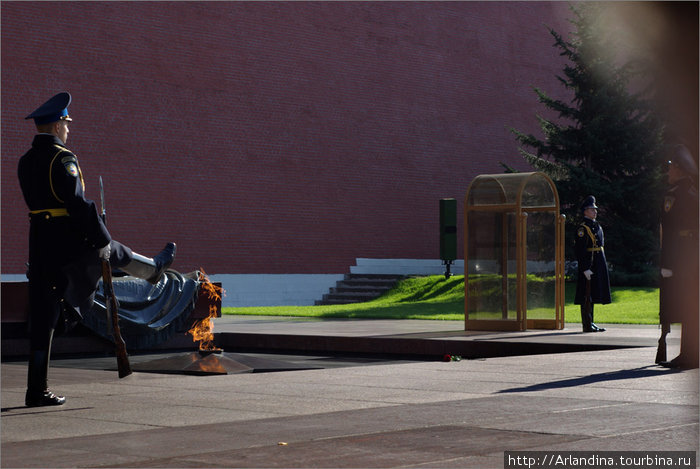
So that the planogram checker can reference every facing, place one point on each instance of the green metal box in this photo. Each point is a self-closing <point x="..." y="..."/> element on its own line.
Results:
<point x="448" y="229"/>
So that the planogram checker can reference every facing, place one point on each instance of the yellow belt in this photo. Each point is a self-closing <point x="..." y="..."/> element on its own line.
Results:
<point x="50" y="212"/>
<point x="595" y="249"/>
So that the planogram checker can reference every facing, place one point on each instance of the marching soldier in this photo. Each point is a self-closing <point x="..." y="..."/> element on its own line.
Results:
<point x="67" y="240"/>
<point x="679" y="256"/>
<point x="593" y="278"/>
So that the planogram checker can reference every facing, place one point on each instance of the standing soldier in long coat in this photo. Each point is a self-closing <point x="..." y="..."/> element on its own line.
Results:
<point x="593" y="278"/>
<point x="679" y="256"/>
<point x="67" y="240"/>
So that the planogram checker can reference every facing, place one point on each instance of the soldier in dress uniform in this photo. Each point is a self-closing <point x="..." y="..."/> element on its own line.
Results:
<point x="67" y="240"/>
<point x="593" y="278"/>
<point x="679" y="255"/>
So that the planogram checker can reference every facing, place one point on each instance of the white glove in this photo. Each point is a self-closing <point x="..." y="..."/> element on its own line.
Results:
<point x="105" y="252"/>
<point x="588" y="274"/>
<point x="666" y="273"/>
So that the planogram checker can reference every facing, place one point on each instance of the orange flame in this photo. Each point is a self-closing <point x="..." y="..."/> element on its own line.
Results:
<point x="203" y="330"/>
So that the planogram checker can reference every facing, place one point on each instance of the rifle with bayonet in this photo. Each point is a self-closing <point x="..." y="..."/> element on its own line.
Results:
<point x="112" y="305"/>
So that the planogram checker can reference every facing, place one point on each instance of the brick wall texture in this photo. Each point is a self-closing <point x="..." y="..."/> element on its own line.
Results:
<point x="281" y="137"/>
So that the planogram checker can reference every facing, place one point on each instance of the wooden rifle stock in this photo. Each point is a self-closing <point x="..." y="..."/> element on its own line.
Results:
<point x="113" y="311"/>
<point x="661" y="349"/>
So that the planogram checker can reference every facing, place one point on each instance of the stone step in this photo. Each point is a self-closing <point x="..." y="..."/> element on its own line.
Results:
<point x="358" y="288"/>
<point x="347" y="298"/>
<point x="349" y="288"/>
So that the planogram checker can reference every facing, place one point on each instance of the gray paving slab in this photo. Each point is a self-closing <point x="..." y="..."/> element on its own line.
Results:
<point x="618" y="334"/>
<point x="391" y="414"/>
<point x="419" y="337"/>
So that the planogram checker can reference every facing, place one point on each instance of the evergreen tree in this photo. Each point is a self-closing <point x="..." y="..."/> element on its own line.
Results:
<point x="606" y="142"/>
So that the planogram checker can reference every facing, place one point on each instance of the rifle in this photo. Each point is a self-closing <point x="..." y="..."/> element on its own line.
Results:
<point x="661" y="348"/>
<point x="112" y="305"/>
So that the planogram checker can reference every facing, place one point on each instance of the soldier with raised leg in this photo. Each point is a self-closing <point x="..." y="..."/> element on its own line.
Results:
<point x="67" y="240"/>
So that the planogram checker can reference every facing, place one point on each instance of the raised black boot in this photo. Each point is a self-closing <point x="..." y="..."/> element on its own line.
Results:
<point x="151" y="269"/>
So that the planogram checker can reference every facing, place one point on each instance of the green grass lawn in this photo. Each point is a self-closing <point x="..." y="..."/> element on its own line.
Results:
<point x="437" y="298"/>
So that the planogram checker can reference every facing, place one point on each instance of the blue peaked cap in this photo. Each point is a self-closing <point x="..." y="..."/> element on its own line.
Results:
<point x="588" y="202"/>
<point x="53" y="110"/>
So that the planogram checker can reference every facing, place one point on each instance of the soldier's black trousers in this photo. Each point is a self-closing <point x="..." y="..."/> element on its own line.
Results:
<point x="46" y="284"/>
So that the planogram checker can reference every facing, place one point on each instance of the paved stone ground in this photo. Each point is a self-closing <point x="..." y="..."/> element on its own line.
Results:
<point x="349" y="414"/>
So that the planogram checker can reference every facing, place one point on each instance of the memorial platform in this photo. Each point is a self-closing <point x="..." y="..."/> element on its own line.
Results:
<point x="355" y="409"/>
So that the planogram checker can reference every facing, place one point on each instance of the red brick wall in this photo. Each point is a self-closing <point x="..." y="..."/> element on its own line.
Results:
<point x="284" y="137"/>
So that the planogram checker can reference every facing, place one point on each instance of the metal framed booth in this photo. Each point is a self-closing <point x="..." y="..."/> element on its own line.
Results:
<point x="513" y="253"/>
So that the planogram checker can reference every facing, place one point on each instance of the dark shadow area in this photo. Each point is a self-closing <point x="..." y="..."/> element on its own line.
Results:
<point x="530" y="336"/>
<point x="643" y="372"/>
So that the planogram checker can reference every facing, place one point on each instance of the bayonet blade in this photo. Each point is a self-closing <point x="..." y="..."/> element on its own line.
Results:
<point x="102" y="199"/>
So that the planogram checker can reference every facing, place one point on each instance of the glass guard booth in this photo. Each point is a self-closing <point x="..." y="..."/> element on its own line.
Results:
<point x="513" y="253"/>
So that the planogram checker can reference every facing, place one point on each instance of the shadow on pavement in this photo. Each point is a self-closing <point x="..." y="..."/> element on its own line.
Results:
<point x="643" y="372"/>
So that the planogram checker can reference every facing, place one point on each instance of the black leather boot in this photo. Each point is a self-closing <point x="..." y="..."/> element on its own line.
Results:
<point x="38" y="393"/>
<point x="593" y="325"/>
<point x="681" y="362"/>
<point x="151" y="269"/>
<point x="586" y="318"/>
<point x="163" y="260"/>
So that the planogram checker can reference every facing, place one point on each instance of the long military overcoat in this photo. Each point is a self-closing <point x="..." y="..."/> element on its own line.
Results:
<point x="590" y="254"/>
<point x="65" y="233"/>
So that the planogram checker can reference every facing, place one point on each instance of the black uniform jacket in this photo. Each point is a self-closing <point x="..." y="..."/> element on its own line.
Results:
<point x="591" y="256"/>
<point x="679" y="252"/>
<point x="66" y="230"/>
